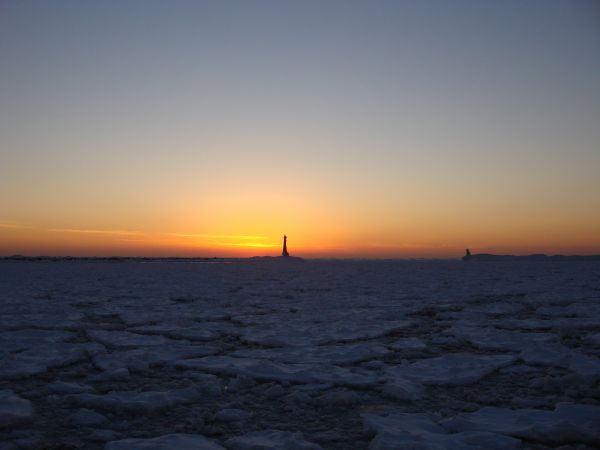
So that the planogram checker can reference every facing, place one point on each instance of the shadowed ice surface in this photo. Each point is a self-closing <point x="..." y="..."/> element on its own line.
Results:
<point x="302" y="355"/>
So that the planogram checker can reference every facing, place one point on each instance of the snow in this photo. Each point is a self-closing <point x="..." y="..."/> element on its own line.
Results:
<point x="401" y="389"/>
<point x="265" y="370"/>
<point x="324" y="354"/>
<point x="300" y="335"/>
<point x="40" y="359"/>
<point x="568" y="423"/>
<point x="125" y="339"/>
<point x="546" y="355"/>
<point x="167" y="442"/>
<point x="60" y="387"/>
<point x="419" y="431"/>
<point x="239" y="354"/>
<point x="270" y="440"/>
<point x="146" y="402"/>
<point x="452" y="369"/>
<point x="409" y="344"/>
<point x="496" y="309"/>
<point x="13" y="409"/>
<point x="232" y="415"/>
<point x="86" y="418"/>
<point x="140" y="359"/>
<point x="494" y="339"/>
<point x="178" y="331"/>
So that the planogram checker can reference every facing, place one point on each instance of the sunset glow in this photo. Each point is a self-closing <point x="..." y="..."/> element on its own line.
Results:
<point x="393" y="129"/>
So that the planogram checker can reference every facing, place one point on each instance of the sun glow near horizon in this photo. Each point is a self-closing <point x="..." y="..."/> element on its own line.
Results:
<point x="34" y="241"/>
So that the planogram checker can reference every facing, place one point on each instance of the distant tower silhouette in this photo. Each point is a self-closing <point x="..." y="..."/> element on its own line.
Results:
<point x="285" y="252"/>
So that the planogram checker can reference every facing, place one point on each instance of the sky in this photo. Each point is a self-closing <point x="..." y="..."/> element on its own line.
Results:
<point x="358" y="128"/>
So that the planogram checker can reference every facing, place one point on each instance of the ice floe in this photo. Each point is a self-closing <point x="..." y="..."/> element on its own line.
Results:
<point x="451" y="369"/>
<point x="402" y="389"/>
<point x="232" y="415"/>
<point x="409" y="344"/>
<point x="87" y="418"/>
<point x="568" y="423"/>
<point x="40" y="359"/>
<point x="438" y="354"/>
<point x="167" y="442"/>
<point x="332" y="332"/>
<point x="418" y="431"/>
<point x="13" y="409"/>
<point x="270" y="440"/>
<point x="146" y="402"/>
<point x="325" y="354"/>
<point x="268" y="371"/>
<point x="494" y="339"/>
<point x="125" y="339"/>
<point x="140" y="359"/>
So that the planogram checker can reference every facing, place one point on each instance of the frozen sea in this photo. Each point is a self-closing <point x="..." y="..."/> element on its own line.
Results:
<point x="299" y="355"/>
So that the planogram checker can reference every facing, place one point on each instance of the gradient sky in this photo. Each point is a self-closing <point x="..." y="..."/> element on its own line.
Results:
<point x="358" y="128"/>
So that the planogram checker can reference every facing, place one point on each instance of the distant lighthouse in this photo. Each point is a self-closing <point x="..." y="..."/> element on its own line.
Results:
<point x="285" y="252"/>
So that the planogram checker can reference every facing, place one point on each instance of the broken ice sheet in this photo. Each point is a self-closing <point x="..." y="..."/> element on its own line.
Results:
<point x="166" y="442"/>
<point x="324" y="354"/>
<point x="265" y="370"/>
<point x="568" y="423"/>
<point x="452" y="369"/>
<point x="271" y="440"/>
<point x="402" y="430"/>
<point x="13" y="409"/>
<point x="146" y="402"/>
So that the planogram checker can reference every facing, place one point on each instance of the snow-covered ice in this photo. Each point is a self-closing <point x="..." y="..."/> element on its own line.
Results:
<point x="232" y="415"/>
<point x="568" y="423"/>
<point x="324" y="354"/>
<point x="167" y="442"/>
<point x="146" y="402"/>
<point x="270" y="440"/>
<point x="13" y="409"/>
<point x="418" y="431"/>
<point x="451" y="369"/>
<point x="333" y="355"/>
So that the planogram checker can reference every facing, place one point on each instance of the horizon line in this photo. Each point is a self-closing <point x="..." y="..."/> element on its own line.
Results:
<point x="172" y="257"/>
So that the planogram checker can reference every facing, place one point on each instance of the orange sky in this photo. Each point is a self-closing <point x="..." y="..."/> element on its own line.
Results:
<point x="359" y="129"/>
<point x="308" y="239"/>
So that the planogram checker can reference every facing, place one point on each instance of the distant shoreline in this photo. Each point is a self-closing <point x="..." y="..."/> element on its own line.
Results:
<point x="533" y="257"/>
<point x="483" y="257"/>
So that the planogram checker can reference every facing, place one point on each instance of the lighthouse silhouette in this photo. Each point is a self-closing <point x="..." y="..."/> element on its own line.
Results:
<point x="285" y="252"/>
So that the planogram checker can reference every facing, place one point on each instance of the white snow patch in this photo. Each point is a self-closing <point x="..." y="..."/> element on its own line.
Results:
<point x="496" y="309"/>
<point x="271" y="440"/>
<point x="268" y="371"/>
<point x="402" y="389"/>
<point x="166" y="442"/>
<point x="125" y="339"/>
<point x="38" y="360"/>
<point x="13" y="409"/>
<point x="494" y="339"/>
<point x="452" y="369"/>
<point x="409" y="344"/>
<point x="232" y="415"/>
<point x="556" y="355"/>
<point x="568" y="423"/>
<point x="304" y="334"/>
<point x="148" y="402"/>
<point x="418" y="431"/>
<point x="325" y="354"/>
<point x="143" y="358"/>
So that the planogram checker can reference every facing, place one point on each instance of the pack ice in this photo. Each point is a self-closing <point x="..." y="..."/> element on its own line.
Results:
<point x="333" y="355"/>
